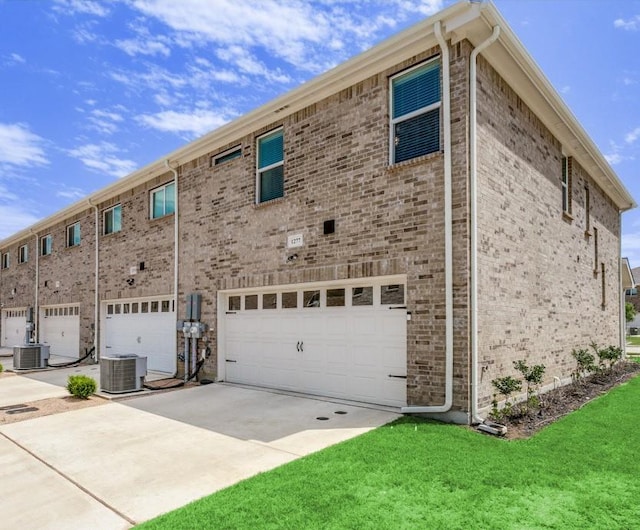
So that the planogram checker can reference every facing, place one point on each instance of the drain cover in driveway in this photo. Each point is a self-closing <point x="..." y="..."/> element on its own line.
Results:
<point x="21" y="410"/>
<point x="322" y="418"/>
<point x="11" y="407"/>
<point x="340" y="412"/>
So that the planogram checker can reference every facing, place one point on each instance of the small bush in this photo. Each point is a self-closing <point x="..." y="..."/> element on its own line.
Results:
<point x="81" y="386"/>
<point x="533" y="377"/>
<point x="1" y="368"/>
<point x="505" y="386"/>
<point x="585" y="364"/>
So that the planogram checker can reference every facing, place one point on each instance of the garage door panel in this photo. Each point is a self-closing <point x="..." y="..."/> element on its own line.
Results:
<point x="13" y="328"/>
<point x="346" y="352"/>
<point x="61" y="331"/>
<point x="151" y="334"/>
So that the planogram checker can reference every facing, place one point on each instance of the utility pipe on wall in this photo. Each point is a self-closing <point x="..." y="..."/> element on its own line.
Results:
<point x="36" y="305"/>
<point x="448" y="235"/>
<point x="96" y="300"/>
<point x="175" y="252"/>
<point x="473" y="198"/>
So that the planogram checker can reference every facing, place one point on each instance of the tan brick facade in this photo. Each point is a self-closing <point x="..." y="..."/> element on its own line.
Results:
<point x="540" y="284"/>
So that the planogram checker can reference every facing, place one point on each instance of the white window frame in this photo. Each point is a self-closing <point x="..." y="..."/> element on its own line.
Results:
<point x="221" y="158"/>
<point x="152" y="195"/>
<point x="410" y="115"/>
<point x="72" y="227"/>
<point x="566" y="185"/>
<point x="111" y="211"/>
<point x="6" y="260"/>
<point x="46" y="245"/>
<point x="260" y="170"/>
<point x="23" y="254"/>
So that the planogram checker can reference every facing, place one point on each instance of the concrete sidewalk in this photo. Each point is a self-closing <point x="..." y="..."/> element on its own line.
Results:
<point x="125" y="462"/>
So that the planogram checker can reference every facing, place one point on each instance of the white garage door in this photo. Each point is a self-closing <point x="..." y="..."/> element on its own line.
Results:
<point x="13" y="327"/>
<point x="60" y="329"/>
<point x="344" y="340"/>
<point x="143" y="327"/>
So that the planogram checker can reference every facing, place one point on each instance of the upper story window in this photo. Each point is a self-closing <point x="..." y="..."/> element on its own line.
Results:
<point x="566" y="184"/>
<point x="5" y="260"/>
<point x="46" y="245"/>
<point x="73" y="235"/>
<point x="415" y="112"/>
<point x="112" y="220"/>
<point x="236" y="152"/>
<point x="23" y="254"/>
<point x="163" y="200"/>
<point x="270" y="167"/>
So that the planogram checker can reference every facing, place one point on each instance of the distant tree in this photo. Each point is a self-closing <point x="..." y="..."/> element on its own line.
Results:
<point x="630" y="311"/>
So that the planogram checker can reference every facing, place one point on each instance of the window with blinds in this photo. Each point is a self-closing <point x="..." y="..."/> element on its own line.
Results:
<point x="415" y="112"/>
<point x="270" y="170"/>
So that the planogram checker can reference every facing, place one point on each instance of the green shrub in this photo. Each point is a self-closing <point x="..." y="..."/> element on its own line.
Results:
<point x="611" y="355"/>
<point x="81" y="386"/>
<point x="505" y="386"/>
<point x="585" y="363"/>
<point x="1" y="368"/>
<point x="533" y="377"/>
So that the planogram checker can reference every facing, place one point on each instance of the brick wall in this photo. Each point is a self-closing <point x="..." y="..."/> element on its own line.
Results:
<point x="389" y="220"/>
<point x="540" y="289"/>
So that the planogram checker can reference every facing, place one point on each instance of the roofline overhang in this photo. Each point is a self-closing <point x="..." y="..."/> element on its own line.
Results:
<point x="466" y="19"/>
<point x="627" y="279"/>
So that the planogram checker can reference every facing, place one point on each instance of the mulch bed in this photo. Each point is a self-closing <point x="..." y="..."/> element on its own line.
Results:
<point x="559" y="402"/>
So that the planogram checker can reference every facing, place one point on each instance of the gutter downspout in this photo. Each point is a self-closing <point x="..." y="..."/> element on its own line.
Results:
<point x="36" y="306"/>
<point x="473" y="198"/>
<point x="96" y="300"/>
<point x="176" y="233"/>
<point x="448" y="236"/>
<point x="622" y="304"/>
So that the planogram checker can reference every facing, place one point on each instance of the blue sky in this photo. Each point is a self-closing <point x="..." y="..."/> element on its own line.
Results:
<point x="92" y="90"/>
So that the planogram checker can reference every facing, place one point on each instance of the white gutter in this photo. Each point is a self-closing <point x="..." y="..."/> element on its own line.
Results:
<point x="176" y="240"/>
<point x="448" y="236"/>
<point x="621" y="290"/>
<point x="36" y="315"/>
<point x="96" y="300"/>
<point x="473" y="198"/>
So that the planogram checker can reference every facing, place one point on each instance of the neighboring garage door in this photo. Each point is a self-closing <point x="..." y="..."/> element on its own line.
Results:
<point x="60" y="329"/>
<point x="14" y="322"/>
<point x="344" y="340"/>
<point x="144" y="327"/>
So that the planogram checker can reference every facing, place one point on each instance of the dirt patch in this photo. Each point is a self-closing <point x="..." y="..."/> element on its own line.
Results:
<point x="46" y="407"/>
<point x="559" y="402"/>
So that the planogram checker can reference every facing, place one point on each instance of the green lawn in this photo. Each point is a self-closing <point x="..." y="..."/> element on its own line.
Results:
<point x="581" y="472"/>
<point x="633" y="340"/>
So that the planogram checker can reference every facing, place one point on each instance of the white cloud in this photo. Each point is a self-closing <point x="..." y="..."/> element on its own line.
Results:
<point x="297" y="32"/>
<point x="565" y="89"/>
<point x="633" y="24"/>
<point x="196" y="122"/>
<point x="144" y="45"/>
<point x="103" y="159"/>
<point x="70" y="193"/>
<point x="103" y="121"/>
<point x="20" y="147"/>
<point x="247" y="64"/>
<point x="84" y="7"/>
<point x="628" y="81"/>
<point x="632" y="136"/>
<point x="613" y="158"/>
<point x="14" y="218"/>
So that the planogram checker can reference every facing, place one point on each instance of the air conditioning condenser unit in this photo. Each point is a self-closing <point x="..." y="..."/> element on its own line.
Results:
<point x="122" y="373"/>
<point x="30" y="356"/>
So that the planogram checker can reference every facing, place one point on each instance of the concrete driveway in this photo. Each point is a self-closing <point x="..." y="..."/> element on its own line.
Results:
<point x="124" y="462"/>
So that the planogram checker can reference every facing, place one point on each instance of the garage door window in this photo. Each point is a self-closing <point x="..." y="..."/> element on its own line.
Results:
<point x="362" y="296"/>
<point x="144" y="307"/>
<point x="311" y="298"/>
<point x="234" y="303"/>
<point x="289" y="300"/>
<point x="335" y="298"/>
<point x="134" y="307"/>
<point x="154" y="307"/>
<point x="251" y="301"/>
<point x="392" y="294"/>
<point x="269" y="301"/>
